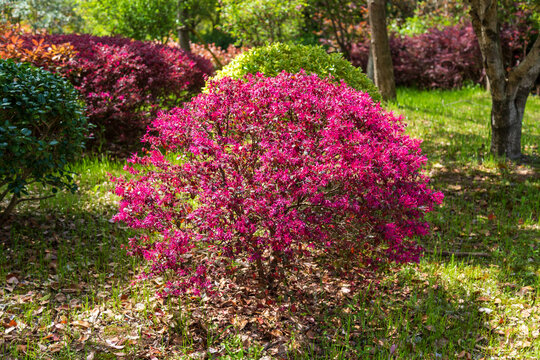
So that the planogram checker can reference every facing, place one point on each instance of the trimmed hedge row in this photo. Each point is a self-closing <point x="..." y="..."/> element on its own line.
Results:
<point x="124" y="82"/>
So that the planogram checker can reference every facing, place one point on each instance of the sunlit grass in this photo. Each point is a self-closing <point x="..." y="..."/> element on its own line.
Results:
<point x="483" y="305"/>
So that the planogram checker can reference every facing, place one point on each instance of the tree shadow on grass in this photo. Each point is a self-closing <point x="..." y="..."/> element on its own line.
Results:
<point x="492" y="213"/>
<point x="57" y="268"/>
<point x="78" y="255"/>
<point x="451" y="146"/>
<point x="410" y="317"/>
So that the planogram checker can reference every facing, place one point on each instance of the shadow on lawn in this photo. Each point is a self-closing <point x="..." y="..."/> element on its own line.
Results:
<point x="71" y="247"/>
<point x="494" y="214"/>
<point x="410" y="317"/>
<point x="450" y="145"/>
<point x="55" y="267"/>
<point x="78" y="254"/>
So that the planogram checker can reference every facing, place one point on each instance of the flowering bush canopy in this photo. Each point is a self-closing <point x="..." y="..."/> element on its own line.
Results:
<point x="269" y="170"/>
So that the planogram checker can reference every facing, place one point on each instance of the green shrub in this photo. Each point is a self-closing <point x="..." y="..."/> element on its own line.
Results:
<point x="42" y="129"/>
<point x="273" y="59"/>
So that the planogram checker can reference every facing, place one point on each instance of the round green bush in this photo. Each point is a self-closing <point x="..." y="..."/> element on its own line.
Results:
<point x="273" y="59"/>
<point x="42" y="129"/>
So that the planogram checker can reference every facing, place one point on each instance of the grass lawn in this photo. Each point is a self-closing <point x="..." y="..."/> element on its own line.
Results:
<point x="68" y="290"/>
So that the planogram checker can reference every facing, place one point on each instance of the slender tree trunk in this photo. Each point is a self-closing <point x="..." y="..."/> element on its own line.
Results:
<point x="5" y="214"/>
<point x="219" y="64"/>
<point x="380" y="50"/>
<point x="369" y="69"/>
<point x="183" y="39"/>
<point x="509" y="89"/>
<point x="183" y="31"/>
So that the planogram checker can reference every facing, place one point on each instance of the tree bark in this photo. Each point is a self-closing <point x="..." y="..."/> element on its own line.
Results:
<point x="183" y="31"/>
<point x="509" y="90"/>
<point x="5" y="214"/>
<point x="380" y="50"/>
<point x="369" y="70"/>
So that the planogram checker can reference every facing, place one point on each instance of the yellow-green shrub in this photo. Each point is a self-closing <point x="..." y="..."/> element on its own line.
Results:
<point x="273" y="59"/>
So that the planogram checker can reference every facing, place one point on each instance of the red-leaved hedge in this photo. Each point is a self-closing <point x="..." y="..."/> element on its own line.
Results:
<point x="442" y="58"/>
<point x="124" y="82"/>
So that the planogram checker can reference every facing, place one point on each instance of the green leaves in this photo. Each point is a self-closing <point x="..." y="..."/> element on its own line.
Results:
<point x="43" y="127"/>
<point x="273" y="59"/>
<point x="257" y="22"/>
<point x="145" y="20"/>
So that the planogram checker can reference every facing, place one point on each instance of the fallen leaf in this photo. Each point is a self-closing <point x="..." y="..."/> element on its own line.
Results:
<point x="81" y="323"/>
<point x="12" y="279"/>
<point x="112" y="343"/>
<point x="524" y="290"/>
<point x="94" y="315"/>
<point x="39" y="310"/>
<point x="60" y="298"/>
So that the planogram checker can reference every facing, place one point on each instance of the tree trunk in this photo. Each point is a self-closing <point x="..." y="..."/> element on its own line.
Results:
<point x="183" y="39"/>
<point x="5" y="214"/>
<point x="509" y="89"/>
<point x="506" y="120"/>
<point x="183" y="31"/>
<point x="380" y="50"/>
<point x="369" y="70"/>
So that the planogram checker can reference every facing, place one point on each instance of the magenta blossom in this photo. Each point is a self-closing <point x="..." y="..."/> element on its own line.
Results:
<point x="270" y="170"/>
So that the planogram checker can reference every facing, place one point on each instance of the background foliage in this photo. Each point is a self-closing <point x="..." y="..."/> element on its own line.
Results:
<point x="258" y="22"/>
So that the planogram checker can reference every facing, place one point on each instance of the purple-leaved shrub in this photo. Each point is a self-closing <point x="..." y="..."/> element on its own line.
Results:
<point x="124" y="82"/>
<point x="445" y="58"/>
<point x="269" y="171"/>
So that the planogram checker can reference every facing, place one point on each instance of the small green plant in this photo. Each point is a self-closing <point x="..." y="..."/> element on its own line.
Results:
<point x="273" y="59"/>
<point x="42" y="129"/>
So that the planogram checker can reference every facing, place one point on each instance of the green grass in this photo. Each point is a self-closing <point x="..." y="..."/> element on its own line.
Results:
<point x="68" y="259"/>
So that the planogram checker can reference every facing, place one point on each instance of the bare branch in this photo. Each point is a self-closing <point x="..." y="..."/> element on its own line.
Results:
<point x="458" y="254"/>
<point x="529" y="67"/>
<point x="36" y="198"/>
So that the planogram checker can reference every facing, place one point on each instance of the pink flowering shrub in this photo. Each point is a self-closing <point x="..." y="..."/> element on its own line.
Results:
<point x="125" y="82"/>
<point x="269" y="170"/>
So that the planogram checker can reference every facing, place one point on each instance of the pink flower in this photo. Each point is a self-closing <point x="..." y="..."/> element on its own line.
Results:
<point x="274" y="168"/>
